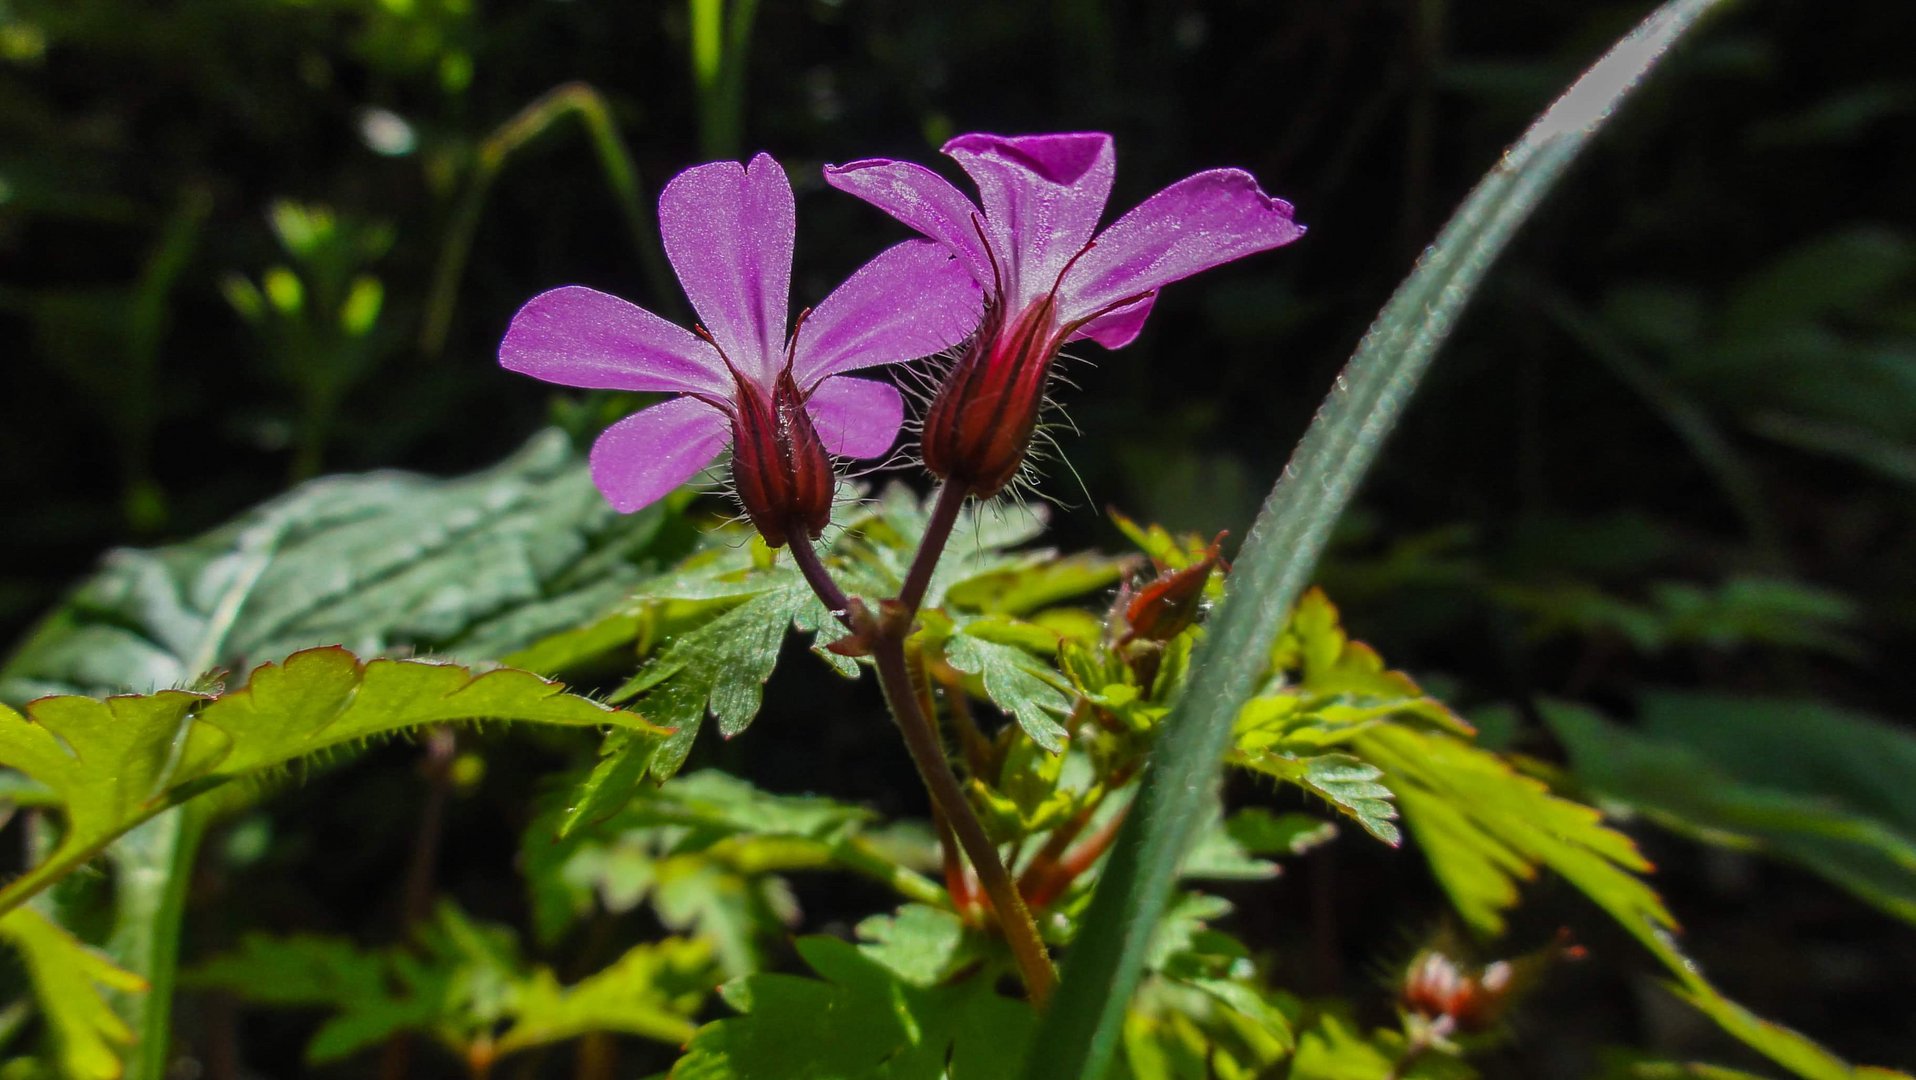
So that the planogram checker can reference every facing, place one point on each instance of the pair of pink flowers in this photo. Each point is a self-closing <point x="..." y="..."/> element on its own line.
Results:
<point x="1012" y="278"/>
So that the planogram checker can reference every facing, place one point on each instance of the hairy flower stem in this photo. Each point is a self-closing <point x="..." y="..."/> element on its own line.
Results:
<point x="887" y="642"/>
<point x="821" y="581"/>
<point x="944" y="514"/>
<point x="1034" y="963"/>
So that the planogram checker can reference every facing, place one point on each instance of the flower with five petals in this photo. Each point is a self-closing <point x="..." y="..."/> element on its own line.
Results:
<point x="1049" y="280"/>
<point x="783" y="402"/>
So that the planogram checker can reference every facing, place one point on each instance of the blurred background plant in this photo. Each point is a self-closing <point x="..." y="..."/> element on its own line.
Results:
<point x="1667" y="469"/>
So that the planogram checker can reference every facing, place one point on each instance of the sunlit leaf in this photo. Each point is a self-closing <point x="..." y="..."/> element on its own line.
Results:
<point x="1016" y="681"/>
<point x="114" y="763"/>
<point x="860" y="1021"/>
<point x="472" y="567"/>
<point x="69" y="980"/>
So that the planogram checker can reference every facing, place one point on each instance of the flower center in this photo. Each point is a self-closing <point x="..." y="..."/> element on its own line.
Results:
<point x="783" y="476"/>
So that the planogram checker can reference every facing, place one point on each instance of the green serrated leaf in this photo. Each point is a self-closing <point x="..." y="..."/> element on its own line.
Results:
<point x="70" y="981"/>
<point x="117" y="762"/>
<point x="859" y="1022"/>
<point x="1486" y="828"/>
<point x="719" y="669"/>
<point x="480" y="565"/>
<point x="1017" y="682"/>
<point x="705" y="850"/>
<point x="1350" y="784"/>
<point x="476" y="566"/>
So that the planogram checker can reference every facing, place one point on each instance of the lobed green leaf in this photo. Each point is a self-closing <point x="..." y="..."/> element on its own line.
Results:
<point x="116" y="762"/>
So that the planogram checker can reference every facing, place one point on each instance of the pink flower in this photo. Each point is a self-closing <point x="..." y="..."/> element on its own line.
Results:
<point x="783" y="402"/>
<point x="1048" y="279"/>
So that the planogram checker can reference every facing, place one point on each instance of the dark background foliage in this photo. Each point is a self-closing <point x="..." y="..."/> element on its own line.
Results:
<point x="1673" y="445"/>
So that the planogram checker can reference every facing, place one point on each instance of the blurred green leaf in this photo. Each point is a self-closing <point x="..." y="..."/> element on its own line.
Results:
<point x="1701" y="765"/>
<point x="1335" y="1048"/>
<point x="69" y="980"/>
<point x="1833" y="273"/>
<point x="465" y="984"/>
<point x="705" y="850"/>
<point x="921" y="945"/>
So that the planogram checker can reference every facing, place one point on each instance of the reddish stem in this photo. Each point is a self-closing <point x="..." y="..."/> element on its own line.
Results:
<point x="1080" y="859"/>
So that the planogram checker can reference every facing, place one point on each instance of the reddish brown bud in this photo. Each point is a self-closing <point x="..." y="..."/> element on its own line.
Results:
<point x="1436" y="987"/>
<point x="783" y="475"/>
<point x="981" y="420"/>
<point x="1162" y="609"/>
<point x="1469" y="1001"/>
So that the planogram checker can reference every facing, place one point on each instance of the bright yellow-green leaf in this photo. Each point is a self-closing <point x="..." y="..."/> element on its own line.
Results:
<point x="114" y="763"/>
<point x="68" y="978"/>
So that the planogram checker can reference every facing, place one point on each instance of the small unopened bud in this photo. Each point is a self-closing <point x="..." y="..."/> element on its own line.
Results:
<point x="1436" y="987"/>
<point x="1163" y="609"/>
<point x="1466" y="1001"/>
<point x="783" y="475"/>
<point x="983" y="417"/>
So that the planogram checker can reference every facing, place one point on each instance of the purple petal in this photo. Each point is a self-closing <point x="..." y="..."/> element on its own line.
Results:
<point x="1197" y="223"/>
<point x="638" y="460"/>
<point x="1119" y="327"/>
<point x="728" y="230"/>
<point x="856" y="418"/>
<point x="913" y="300"/>
<point x="1043" y="195"/>
<point x="575" y="336"/>
<point x="922" y="200"/>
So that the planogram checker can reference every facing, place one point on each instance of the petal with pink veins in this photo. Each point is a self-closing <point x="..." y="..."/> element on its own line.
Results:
<point x="912" y="300"/>
<point x="922" y="200"/>
<point x="856" y="418"/>
<point x="728" y="230"/>
<point x="640" y="459"/>
<point x="1195" y="224"/>
<point x="575" y="336"/>
<point x="1042" y="195"/>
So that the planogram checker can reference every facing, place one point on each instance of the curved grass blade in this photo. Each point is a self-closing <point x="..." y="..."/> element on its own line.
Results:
<point x="1080" y="1032"/>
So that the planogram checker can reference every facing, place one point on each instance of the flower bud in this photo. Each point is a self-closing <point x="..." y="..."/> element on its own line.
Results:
<point x="1437" y="987"/>
<point x="984" y="414"/>
<point x="1440" y="990"/>
<point x="1163" y="609"/>
<point x="783" y="475"/>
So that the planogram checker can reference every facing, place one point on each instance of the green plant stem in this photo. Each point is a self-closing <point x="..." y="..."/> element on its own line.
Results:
<point x="887" y="643"/>
<point x="944" y="515"/>
<point x="154" y="864"/>
<point x="720" y="40"/>
<point x="621" y="175"/>
<point x="858" y="855"/>
<point x="1027" y="948"/>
